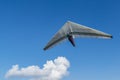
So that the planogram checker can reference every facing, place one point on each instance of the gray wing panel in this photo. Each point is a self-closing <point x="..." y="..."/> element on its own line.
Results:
<point x="53" y="43"/>
<point x="58" y="37"/>
<point x="94" y="35"/>
<point x="83" y="31"/>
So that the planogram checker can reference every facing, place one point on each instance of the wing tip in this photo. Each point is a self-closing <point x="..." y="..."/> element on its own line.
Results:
<point x="111" y="37"/>
<point x="44" y="49"/>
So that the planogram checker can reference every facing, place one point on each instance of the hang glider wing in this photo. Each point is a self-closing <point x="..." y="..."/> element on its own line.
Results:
<point x="76" y="30"/>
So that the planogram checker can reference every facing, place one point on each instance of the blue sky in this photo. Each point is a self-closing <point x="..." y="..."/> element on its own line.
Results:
<point x="27" y="25"/>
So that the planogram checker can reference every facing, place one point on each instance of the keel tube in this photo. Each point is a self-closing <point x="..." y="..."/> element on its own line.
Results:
<point x="70" y="38"/>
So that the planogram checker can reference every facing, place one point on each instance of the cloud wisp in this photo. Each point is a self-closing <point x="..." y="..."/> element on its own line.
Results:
<point x="52" y="70"/>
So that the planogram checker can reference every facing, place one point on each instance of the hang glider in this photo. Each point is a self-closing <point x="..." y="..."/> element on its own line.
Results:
<point x="71" y="30"/>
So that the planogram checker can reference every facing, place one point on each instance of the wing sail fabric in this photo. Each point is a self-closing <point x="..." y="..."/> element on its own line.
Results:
<point x="75" y="30"/>
<point x="58" y="37"/>
<point x="83" y="31"/>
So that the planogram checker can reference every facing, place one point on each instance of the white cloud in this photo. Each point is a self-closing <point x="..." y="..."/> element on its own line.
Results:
<point x="52" y="70"/>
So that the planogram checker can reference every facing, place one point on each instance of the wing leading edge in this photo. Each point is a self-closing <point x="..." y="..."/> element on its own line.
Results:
<point x="76" y="30"/>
